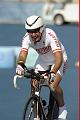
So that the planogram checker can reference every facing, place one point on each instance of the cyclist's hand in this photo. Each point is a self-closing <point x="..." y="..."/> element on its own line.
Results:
<point x="53" y="86"/>
<point x="52" y="77"/>
<point x="19" y="70"/>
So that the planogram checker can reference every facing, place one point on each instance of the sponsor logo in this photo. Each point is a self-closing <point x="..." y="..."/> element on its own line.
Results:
<point x="43" y="50"/>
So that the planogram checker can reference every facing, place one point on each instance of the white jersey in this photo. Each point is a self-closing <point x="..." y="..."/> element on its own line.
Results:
<point x="48" y="45"/>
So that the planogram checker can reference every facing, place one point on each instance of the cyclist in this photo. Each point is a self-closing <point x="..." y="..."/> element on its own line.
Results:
<point x="51" y="52"/>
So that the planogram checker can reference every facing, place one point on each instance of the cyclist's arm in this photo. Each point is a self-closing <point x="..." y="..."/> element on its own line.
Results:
<point x="22" y="57"/>
<point x="24" y="50"/>
<point x="57" y="64"/>
<point x="57" y="51"/>
<point x="58" y="61"/>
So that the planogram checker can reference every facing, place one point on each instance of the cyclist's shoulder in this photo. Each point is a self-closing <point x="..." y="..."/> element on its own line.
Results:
<point x="50" y="32"/>
<point x="25" y="36"/>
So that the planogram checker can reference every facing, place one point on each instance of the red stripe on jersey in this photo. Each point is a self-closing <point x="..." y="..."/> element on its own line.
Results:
<point x="51" y="34"/>
<point x="56" y="50"/>
<point x="24" y="49"/>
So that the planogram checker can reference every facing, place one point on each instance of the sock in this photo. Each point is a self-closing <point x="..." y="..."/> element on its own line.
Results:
<point x="62" y="113"/>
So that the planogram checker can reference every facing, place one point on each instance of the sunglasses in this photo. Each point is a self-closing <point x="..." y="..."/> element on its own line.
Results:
<point x="34" y="30"/>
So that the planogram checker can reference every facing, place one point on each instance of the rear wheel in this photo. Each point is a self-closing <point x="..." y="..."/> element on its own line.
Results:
<point x="58" y="19"/>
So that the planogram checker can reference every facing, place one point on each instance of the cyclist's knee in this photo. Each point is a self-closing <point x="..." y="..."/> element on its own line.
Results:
<point x="59" y="91"/>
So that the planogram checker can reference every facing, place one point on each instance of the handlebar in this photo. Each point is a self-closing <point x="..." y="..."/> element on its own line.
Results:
<point x="15" y="81"/>
<point x="30" y="73"/>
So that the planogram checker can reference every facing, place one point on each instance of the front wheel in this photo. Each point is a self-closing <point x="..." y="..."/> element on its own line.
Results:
<point x="33" y="109"/>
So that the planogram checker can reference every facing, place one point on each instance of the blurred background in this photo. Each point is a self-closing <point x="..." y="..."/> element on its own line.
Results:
<point x="60" y="15"/>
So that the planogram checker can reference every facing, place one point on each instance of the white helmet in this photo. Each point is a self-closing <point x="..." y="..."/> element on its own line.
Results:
<point x="34" y="22"/>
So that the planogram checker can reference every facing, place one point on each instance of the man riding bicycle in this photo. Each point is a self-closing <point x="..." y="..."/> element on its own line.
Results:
<point x="51" y="52"/>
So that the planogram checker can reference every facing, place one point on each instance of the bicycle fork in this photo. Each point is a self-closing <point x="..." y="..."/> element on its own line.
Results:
<point x="37" y="112"/>
<point x="37" y="107"/>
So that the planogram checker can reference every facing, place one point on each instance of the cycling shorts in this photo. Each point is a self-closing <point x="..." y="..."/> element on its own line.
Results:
<point x="44" y="66"/>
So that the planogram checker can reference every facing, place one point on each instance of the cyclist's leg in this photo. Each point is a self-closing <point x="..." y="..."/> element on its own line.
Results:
<point x="58" y="94"/>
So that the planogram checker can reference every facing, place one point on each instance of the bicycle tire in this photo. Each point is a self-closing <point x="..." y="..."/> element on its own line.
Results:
<point x="28" y="117"/>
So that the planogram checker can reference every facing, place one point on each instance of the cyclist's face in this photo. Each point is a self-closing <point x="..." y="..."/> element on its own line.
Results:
<point x="35" y="35"/>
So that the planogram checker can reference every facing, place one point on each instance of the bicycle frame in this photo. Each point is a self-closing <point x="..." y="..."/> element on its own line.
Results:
<point x="36" y="97"/>
<point x="39" y="102"/>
